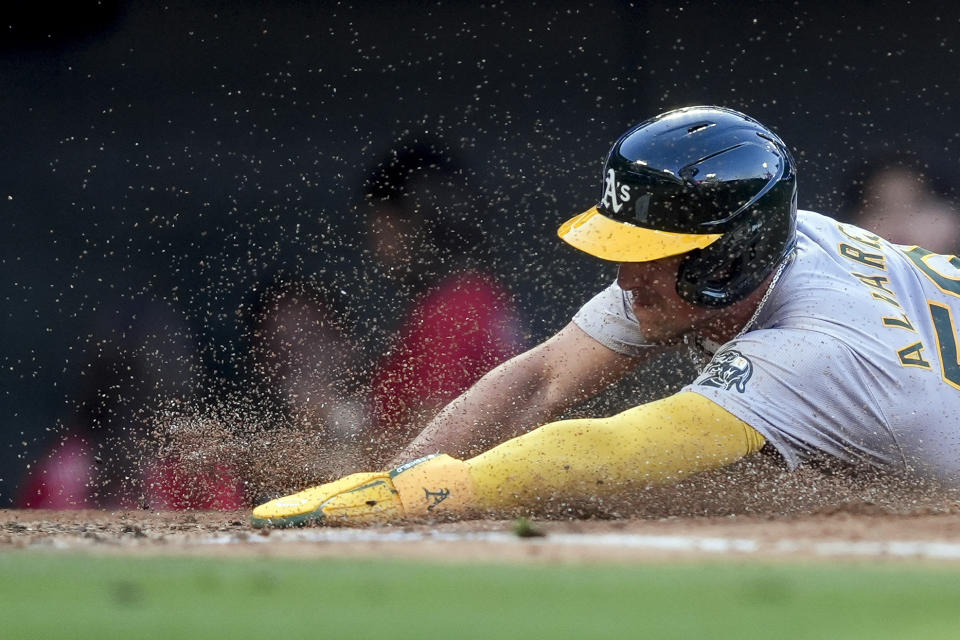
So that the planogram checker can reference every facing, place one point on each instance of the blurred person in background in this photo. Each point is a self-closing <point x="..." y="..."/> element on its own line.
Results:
<point x="897" y="197"/>
<point x="305" y="378"/>
<point x="105" y="454"/>
<point x="450" y="320"/>
<point x="305" y="355"/>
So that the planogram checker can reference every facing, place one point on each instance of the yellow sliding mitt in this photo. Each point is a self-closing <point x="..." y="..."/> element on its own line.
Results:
<point x="426" y="486"/>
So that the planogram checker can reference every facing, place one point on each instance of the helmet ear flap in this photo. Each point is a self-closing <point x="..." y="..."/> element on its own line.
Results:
<point x="713" y="277"/>
<point x="728" y="270"/>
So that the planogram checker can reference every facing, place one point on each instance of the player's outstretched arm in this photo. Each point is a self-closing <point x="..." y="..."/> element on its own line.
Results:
<point x="522" y="393"/>
<point x="567" y="461"/>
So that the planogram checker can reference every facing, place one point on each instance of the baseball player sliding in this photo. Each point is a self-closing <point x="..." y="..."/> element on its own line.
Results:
<point x="828" y="342"/>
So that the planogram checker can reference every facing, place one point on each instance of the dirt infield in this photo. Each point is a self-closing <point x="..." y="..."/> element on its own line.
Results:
<point x="856" y="533"/>
<point x="753" y="509"/>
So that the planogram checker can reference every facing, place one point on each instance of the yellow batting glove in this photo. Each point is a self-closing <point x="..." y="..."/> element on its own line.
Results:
<point x="426" y="486"/>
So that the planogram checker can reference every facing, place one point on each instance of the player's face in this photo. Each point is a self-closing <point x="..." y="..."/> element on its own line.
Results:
<point x="663" y="315"/>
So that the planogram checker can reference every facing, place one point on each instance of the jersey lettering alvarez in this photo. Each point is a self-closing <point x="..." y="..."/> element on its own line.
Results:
<point x="856" y="354"/>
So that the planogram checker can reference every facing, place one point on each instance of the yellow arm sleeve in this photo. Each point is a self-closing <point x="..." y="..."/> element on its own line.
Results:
<point x="655" y="443"/>
<point x="563" y="461"/>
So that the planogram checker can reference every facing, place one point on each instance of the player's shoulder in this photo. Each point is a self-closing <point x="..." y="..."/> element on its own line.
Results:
<point x="817" y="234"/>
<point x="825" y="244"/>
<point x="817" y="226"/>
<point x="829" y="233"/>
<point x="815" y="290"/>
<point x="808" y="218"/>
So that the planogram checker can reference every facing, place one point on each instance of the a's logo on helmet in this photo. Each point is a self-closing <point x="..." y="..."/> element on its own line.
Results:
<point x="728" y="369"/>
<point x="612" y="191"/>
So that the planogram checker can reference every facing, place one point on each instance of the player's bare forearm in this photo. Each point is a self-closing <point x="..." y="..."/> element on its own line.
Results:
<point x="505" y="402"/>
<point x="521" y="394"/>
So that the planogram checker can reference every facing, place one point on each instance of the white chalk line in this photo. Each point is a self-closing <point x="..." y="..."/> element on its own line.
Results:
<point x="919" y="549"/>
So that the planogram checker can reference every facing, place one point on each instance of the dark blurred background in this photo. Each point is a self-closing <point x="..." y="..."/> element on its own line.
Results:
<point x="159" y="160"/>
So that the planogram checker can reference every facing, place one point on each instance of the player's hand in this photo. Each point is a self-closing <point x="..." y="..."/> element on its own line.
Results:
<point x="364" y="496"/>
<point x="428" y="485"/>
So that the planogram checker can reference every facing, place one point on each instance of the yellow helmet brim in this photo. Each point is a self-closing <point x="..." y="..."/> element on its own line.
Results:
<point x="608" y="239"/>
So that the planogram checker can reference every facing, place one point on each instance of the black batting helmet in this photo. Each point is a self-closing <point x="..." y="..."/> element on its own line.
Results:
<point x="708" y="182"/>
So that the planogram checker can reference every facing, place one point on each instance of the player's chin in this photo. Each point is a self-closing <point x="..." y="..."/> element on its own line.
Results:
<point x="665" y="336"/>
<point x="660" y="328"/>
<point x="664" y="340"/>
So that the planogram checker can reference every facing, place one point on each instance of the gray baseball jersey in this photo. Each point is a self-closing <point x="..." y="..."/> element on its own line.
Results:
<point x="854" y="355"/>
